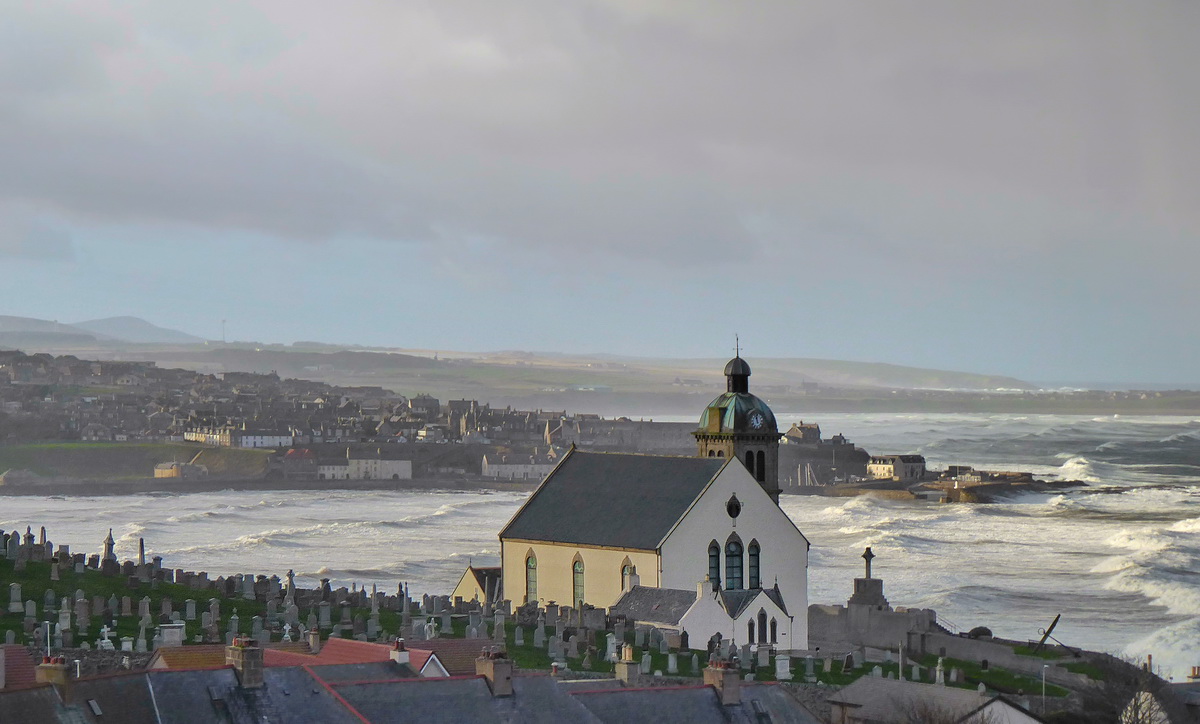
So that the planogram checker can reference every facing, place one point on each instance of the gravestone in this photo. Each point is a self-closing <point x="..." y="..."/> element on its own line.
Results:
<point x="764" y="656"/>
<point x="672" y="663"/>
<point x="783" y="668"/>
<point x="189" y="610"/>
<point x="809" y="675"/>
<point x="14" y="598"/>
<point x="519" y="636"/>
<point x="695" y="664"/>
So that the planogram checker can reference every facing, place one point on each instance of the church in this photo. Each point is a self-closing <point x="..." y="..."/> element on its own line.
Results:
<point x="696" y="544"/>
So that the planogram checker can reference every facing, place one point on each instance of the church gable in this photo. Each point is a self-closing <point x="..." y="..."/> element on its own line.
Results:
<point x="612" y="500"/>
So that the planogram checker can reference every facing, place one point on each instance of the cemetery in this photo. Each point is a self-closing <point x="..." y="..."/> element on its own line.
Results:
<point x="110" y="614"/>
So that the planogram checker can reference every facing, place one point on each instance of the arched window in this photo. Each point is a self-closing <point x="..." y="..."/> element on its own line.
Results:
<point x="720" y="453"/>
<point x="626" y="572"/>
<point x="577" y="589"/>
<point x="750" y="630"/>
<point x="733" y="564"/>
<point x="530" y="578"/>
<point x="714" y="562"/>
<point x="750" y="461"/>
<point x="774" y="631"/>
<point x="712" y="453"/>
<point x="762" y="626"/>
<point x="760" y="470"/>
<point x="752" y="554"/>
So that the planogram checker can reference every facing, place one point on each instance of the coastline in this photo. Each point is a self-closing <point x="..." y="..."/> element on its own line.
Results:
<point x="67" y="486"/>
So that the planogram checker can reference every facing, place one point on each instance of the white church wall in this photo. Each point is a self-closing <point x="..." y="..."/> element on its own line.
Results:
<point x="784" y="551"/>
<point x="707" y="617"/>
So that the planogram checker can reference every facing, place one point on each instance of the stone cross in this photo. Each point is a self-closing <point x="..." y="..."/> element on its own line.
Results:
<point x="868" y="556"/>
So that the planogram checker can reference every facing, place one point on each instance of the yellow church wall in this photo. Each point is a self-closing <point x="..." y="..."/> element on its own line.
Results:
<point x="555" y="571"/>
<point x="468" y="588"/>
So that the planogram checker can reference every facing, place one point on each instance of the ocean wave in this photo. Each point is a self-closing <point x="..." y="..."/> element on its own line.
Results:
<point x="1172" y="660"/>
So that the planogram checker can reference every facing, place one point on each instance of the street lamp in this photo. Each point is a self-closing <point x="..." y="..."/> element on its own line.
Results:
<point x="1044" y="667"/>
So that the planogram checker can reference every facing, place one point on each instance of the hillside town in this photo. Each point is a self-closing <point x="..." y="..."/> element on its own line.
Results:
<point x="325" y="432"/>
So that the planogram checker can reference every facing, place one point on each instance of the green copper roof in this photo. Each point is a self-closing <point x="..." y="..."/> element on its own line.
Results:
<point x="734" y="409"/>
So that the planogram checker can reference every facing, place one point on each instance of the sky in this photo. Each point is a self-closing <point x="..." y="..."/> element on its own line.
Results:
<point x="1005" y="188"/>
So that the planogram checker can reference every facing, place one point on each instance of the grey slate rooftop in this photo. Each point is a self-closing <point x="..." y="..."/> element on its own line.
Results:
<point x="654" y="605"/>
<point x="696" y="705"/>
<point x="613" y="499"/>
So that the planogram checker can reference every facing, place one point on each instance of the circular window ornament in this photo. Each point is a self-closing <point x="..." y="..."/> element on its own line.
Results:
<point x="733" y="507"/>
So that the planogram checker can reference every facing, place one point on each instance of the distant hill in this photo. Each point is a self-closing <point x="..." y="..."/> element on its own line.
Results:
<point x="136" y="330"/>
<point x="26" y="325"/>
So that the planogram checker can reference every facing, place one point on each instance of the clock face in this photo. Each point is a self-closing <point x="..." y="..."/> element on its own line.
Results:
<point x="756" y="420"/>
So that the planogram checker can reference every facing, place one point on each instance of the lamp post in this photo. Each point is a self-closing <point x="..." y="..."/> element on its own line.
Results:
<point x="1044" y="667"/>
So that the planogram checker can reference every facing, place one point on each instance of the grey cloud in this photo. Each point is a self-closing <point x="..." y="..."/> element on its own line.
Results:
<point x="25" y="235"/>
<point x="645" y="129"/>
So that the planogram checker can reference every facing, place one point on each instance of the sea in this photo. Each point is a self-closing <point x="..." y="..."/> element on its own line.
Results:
<point x="1118" y="557"/>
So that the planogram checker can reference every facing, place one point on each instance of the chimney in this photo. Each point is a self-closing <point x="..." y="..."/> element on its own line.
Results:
<point x="628" y="671"/>
<point x="247" y="659"/>
<point x="496" y="667"/>
<point x="314" y="640"/>
<point x="633" y="579"/>
<point x="724" y="678"/>
<point x="53" y="670"/>
<point x="399" y="654"/>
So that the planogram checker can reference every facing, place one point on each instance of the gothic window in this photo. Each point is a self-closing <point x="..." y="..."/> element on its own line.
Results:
<point x="752" y="552"/>
<point x="750" y="461"/>
<point x="762" y="626"/>
<point x="733" y="564"/>
<point x="750" y="630"/>
<point x="714" y="562"/>
<point x="774" y="631"/>
<point x="577" y="589"/>
<point x="626" y="572"/>
<point x="530" y="578"/>
<point x="760" y="470"/>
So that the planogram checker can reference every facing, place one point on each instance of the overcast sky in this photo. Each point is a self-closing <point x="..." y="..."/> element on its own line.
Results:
<point x="1007" y="187"/>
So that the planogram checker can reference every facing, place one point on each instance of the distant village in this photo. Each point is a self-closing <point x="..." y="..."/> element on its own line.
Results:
<point x="316" y="431"/>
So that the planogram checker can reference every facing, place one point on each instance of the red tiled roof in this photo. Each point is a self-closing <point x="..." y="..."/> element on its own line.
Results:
<point x="204" y="656"/>
<point x="19" y="667"/>
<point x="333" y="651"/>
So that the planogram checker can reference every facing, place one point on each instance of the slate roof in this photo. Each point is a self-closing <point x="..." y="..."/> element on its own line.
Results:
<point x="34" y="704"/>
<point x="875" y="697"/>
<point x="654" y="605"/>
<point x="373" y="671"/>
<point x="696" y="705"/>
<point x="736" y="601"/>
<point x="422" y="700"/>
<point x="616" y="500"/>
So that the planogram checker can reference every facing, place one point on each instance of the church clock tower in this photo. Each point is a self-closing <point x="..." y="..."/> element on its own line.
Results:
<point x="738" y="424"/>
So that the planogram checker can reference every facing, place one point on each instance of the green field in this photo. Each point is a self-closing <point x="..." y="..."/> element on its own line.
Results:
<point x="126" y="461"/>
